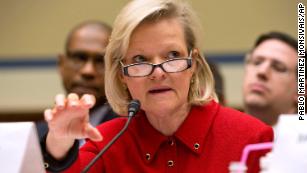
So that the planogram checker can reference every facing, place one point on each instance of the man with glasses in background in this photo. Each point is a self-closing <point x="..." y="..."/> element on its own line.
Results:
<point x="82" y="68"/>
<point x="270" y="81"/>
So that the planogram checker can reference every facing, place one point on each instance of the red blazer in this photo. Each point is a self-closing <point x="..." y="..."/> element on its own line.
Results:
<point x="209" y="139"/>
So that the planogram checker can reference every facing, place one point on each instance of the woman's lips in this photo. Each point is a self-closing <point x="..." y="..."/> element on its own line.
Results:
<point x="157" y="91"/>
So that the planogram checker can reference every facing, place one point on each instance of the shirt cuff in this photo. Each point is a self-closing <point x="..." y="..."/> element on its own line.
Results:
<point x="53" y="165"/>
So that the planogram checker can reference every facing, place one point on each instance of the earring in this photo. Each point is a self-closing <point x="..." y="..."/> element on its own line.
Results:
<point x="192" y="81"/>
<point x="125" y="87"/>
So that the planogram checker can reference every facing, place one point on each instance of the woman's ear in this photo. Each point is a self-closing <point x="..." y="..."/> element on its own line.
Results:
<point x="195" y="53"/>
<point x="195" y="56"/>
<point x="123" y="81"/>
<point x="121" y="76"/>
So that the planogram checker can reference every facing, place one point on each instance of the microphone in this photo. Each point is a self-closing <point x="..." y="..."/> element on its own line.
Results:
<point x="133" y="108"/>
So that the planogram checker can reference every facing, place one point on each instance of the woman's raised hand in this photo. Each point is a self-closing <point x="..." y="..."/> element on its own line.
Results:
<point x="67" y="121"/>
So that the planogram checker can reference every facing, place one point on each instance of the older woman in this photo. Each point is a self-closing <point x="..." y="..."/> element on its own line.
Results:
<point x="153" y="56"/>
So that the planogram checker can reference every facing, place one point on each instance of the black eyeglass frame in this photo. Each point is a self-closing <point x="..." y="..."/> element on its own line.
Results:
<point x="125" y="67"/>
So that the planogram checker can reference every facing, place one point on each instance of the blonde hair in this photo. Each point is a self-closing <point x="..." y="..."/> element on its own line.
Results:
<point x="132" y="15"/>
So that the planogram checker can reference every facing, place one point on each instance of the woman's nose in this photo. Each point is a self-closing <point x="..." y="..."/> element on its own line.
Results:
<point x="158" y="73"/>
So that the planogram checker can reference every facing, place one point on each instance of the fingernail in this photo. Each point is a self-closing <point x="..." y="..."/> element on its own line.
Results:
<point x="59" y="100"/>
<point x="88" y="99"/>
<point x="48" y="115"/>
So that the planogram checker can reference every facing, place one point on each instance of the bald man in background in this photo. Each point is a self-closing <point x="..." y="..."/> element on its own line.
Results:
<point x="82" y="68"/>
<point x="270" y="79"/>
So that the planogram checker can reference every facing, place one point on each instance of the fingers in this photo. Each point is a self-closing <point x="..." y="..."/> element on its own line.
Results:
<point x="92" y="133"/>
<point x="71" y="103"/>
<point x="88" y="100"/>
<point x="60" y="101"/>
<point x="70" y="117"/>
<point x="48" y="115"/>
<point x="72" y="100"/>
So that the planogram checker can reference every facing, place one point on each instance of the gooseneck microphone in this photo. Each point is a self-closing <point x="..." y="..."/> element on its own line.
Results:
<point x="133" y="108"/>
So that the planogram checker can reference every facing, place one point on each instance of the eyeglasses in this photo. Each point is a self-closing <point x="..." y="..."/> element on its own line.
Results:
<point x="78" y="59"/>
<point x="143" y="69"/>
<point x="275" y="65"/>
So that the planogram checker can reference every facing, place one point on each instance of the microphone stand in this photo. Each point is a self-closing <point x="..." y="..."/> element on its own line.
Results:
<point x="131" y="112"/>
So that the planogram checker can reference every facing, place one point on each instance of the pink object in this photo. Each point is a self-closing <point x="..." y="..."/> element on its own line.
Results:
<point x="254" y="147"/>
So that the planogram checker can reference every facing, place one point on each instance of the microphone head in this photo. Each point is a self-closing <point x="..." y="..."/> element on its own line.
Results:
<point x="133" y="107"/>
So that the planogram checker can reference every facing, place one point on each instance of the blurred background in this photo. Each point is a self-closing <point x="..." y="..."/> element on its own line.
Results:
<point x="33" y="32"/>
